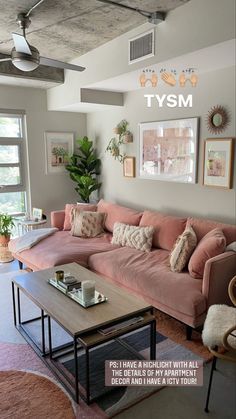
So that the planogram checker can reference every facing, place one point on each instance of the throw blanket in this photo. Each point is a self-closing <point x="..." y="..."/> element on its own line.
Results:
<point x="30" y="239"/>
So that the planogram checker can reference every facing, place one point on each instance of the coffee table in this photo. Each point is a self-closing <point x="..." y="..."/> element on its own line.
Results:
<point x="82" y="324"/>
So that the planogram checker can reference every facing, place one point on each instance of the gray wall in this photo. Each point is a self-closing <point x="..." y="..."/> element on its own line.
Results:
<point x="47" y="191"/>
<point x="175" y="198"/>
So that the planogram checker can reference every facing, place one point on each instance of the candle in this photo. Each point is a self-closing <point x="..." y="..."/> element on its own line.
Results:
<point x="88" y="290"/>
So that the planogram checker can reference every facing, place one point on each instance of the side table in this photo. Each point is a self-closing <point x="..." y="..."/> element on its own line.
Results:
<point x="24" y="226"/>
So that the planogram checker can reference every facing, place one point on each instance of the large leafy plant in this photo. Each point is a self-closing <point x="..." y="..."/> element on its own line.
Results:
<point x="6" y="224"/>
<point x="84" y="167"/>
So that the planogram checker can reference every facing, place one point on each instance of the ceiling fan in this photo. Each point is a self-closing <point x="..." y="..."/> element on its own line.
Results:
<point x="26" y="57"/>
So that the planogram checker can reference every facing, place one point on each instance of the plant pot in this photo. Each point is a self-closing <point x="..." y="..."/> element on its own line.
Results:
<point x="4" y="240"/>
<point x="5" y="254"/>
<point x="117" y="130"/>
<point x="128" y="138"/>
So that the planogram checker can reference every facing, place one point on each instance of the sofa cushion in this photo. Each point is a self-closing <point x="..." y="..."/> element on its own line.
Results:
<point x="62" y="247"/>
<point x="117" y="213"/>
<point x="167" y="228"/>
<point x="202" y="227"/>
<point x="68" y="209"/>
<point x="182" y="250"/>
<point x="86" y="224"/>
<point x="132" y="236"/>
<point x="212" y="244"/>
<point x="148" y="274"/>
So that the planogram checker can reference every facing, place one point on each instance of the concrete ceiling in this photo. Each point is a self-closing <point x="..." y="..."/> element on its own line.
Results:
<point x="67" y="29"/>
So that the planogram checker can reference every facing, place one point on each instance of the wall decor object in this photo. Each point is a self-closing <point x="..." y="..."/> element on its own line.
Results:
<point x="129" y="166"/>
<point x="123" y="136"/>
<point x="59" y="146"/>
<point x="168" y="150"/>
<point x="218" y="160"/>
<point x="217" y="119"/>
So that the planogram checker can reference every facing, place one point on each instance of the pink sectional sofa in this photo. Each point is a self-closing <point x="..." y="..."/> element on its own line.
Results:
<point x="146" y="274"/>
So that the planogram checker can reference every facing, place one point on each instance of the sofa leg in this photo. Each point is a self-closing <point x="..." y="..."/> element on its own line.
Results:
<point x="189" y="330"/>
<point x="20" y="264"/>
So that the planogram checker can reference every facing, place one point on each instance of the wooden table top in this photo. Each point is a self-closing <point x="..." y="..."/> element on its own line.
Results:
<point x="69" y="314"/>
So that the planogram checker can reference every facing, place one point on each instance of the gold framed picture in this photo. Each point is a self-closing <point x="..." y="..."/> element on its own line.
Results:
<point x="129" y="166"/>
<point x="218" y="162"/>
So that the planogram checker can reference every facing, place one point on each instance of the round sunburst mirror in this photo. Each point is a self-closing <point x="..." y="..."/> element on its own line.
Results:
<point x="217" y="119"/>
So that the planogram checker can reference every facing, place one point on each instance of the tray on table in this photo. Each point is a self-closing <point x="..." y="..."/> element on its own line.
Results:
<point x="76" y="295"/>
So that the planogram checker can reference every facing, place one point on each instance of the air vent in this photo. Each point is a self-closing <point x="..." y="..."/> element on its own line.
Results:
<point x="141" y="47"/>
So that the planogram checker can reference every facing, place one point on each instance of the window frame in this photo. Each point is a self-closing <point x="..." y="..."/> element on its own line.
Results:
<point x="20" y="142"/>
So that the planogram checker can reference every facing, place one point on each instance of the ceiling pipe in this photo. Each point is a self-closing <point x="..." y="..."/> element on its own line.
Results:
<point x="153" y="17"/>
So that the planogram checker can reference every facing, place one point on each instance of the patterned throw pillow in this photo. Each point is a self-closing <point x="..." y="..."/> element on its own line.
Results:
<point x="138" y="237"/>
<point x="81" y="207"/>
<point x="182" y="250"/>
<point x="86" y="223"/>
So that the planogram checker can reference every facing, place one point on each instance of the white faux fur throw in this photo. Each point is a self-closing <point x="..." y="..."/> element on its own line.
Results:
<point x="219" y="319"/>
<point x="30" y="239"/>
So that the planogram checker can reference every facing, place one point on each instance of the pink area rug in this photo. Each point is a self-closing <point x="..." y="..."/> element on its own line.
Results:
<point x="26" y="395"/>
<point x="22" y="357"/>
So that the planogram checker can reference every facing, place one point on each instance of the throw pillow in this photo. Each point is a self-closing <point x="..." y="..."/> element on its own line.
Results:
<point x="68" y="209"/>
<point x="139" y="238"/>
<point x="231" y="247"/>
<point x="117" y="213"/>
<point x="212" y="244"/>
<point x="86" y="223"/>
<point x="182" y="250"/>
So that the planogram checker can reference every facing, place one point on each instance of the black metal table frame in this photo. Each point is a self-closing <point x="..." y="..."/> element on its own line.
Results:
<point x="52" y="354"/>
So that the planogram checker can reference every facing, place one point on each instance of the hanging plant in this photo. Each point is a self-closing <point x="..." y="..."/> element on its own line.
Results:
<point x="114" y="149"/>
<point x="124" y="137"/>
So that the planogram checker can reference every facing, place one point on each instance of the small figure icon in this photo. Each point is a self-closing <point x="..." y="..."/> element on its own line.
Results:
<point x="168" y="78"/>
<point x="183" y="79"/>
<point x="144" y="80"/>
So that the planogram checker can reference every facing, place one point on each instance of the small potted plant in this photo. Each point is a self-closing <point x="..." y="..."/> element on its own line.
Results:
<point x="6" y="224"/>
<point x="128" y="137"/>
<point x="124" y="137"/>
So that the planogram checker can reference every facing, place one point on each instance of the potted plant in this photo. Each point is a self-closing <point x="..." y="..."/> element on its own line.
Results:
<point x="128" y="137"/>
<point x="124" y="137"/>
<point x="6" y="224"/>
<point x="84" y="167"/>
<point x="114" y="149"/>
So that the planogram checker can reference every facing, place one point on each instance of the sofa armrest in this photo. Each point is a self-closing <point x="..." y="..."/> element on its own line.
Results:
<point x="57" y="219"/>
<point x="218" y="272"/>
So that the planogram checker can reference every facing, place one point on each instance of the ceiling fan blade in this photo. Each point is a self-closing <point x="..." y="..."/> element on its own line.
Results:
<point x="60" y="64"/>
<point x="5" y="59"/>
<point x="21" y="45"/>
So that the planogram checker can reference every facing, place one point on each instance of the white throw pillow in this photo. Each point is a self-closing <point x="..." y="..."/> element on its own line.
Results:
<point x="231" y="247"/>
<point x="182" y="250"/>
<point x="139" y="238"/>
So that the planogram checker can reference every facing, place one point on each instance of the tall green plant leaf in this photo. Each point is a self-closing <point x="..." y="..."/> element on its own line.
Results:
<point x="84" y="167"/>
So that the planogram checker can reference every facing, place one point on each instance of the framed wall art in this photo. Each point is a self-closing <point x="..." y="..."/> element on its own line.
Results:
<point x="37" y="214"/>
<point x="58" y="145"/>
<point x="217" y="163"/>
<point x="168" y="150"/>
<point x="129" y="166"/>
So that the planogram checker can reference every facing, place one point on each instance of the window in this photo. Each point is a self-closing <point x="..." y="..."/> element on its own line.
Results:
<point x="12" y="175"/>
